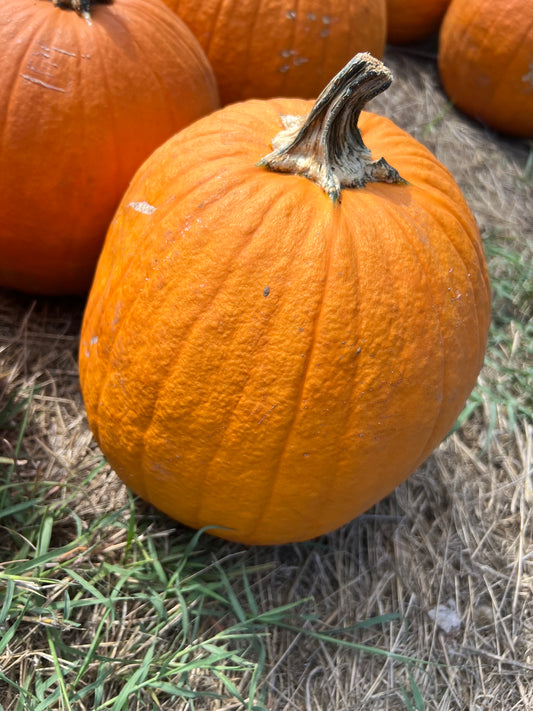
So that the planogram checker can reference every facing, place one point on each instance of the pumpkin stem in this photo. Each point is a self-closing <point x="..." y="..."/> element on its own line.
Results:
<point x="326" y="146"/>
<point x="83" y="7"/>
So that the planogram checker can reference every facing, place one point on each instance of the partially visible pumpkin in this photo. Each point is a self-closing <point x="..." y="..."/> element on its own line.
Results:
<point x="82" y="104"/>
<point x="275" y="339"/>
<point x="486" y="62"/>
<point x="281" y="48"/>
<point x="413" y="20"/>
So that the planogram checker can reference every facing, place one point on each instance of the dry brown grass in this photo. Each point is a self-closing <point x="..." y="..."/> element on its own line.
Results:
<point x="456" y="537"/>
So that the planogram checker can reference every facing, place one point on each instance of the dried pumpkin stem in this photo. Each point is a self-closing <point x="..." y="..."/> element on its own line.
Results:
<point x="83" y="7"/>
<point x="326" y="146"/>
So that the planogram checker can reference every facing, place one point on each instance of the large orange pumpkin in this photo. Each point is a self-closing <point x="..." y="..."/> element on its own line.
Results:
<point x="82" y="104"/>
<point x="486" y="62"/>
<point x="281" y="48"/>
<point x="413" y="20"/>
<point x="275" y="339"/>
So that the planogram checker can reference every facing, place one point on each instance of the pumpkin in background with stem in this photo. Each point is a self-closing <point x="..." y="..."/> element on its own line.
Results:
<point x="413" y="20"/>
<point x="271" y="48"/>
<point x="281" y="329"/>
<point x="84" y="99"/>
<point x="486" y="62"/>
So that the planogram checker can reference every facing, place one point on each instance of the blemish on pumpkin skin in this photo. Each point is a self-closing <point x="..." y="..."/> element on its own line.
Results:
<point x="143" y="207"/>
<point x="44" y="53"/>
<point x="64" y="51"/>
<point x="34" y="70"/>
<point x="267" y="412"/>
<point x="44" y="84"/>
<point x="92" y="342"/>
<point x="297" y="60"/>
<point x="528" y="78"/>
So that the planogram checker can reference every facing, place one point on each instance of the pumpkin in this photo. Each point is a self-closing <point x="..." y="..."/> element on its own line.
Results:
<point x="272" y="48"/>
<point x="413" y="20"/>
<point x="486" y="62"/>
<point x="281" y="329"/>
<point x="83" y="101"/>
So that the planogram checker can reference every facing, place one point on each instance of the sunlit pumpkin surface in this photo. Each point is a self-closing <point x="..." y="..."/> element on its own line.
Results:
<point x="486" y="62"/>
<point x="81" y="106"/>
<point x="257" y="358"/>
<point x="271" y="48"/>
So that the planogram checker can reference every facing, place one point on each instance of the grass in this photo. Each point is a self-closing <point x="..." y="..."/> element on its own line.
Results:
<point x="120" y="614"/>
<point x="505" y="388"/>
<point x="107" y="604"/>
<point x="115" y="612"/>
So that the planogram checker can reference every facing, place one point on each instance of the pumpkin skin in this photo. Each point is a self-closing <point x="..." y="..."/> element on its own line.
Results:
<point x="413" y="20"/>
<point x="486" y="62"/>
<point x="273" y="48"/>
<point x="81" y="106"/>
<point x="261" y="359"/>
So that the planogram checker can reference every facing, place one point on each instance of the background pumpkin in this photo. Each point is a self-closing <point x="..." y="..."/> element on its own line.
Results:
<point x="81" y="106"/>
<point x="413" y="20"/>
<point x="277" y="48"/>
<point x="486" y="62"/>
<point x="259" y="356"/>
